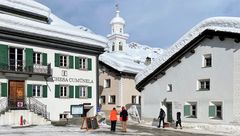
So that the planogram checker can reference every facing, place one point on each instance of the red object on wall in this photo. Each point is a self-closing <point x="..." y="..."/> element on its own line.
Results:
<point x="21" y="120"/>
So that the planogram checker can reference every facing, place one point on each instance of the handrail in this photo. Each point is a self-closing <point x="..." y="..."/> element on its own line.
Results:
<point x="37" y="107"/>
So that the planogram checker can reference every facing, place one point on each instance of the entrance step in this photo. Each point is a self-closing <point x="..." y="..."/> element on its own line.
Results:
<point x="12" y="117"/>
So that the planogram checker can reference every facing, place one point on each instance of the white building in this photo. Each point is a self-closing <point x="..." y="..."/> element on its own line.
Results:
<point x="119" y="66"/>
<point x="46" y="64"/>
<point x="198" y="76"/>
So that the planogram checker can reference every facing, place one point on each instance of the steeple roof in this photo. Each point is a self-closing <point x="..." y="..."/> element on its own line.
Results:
<point x="117" y="19"/>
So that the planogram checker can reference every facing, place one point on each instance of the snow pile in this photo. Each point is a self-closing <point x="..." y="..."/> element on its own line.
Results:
<point x="27" y="5"/>
<point x="132" y="59"/>
<point x="57" y="27"/>
<point x="223" y="24"/>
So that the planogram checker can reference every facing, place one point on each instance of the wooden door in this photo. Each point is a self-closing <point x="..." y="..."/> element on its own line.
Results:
<point x="16" y="91"/>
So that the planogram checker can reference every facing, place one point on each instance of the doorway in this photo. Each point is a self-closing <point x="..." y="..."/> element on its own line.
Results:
<point x="169" y="111"/>
<point x="16" y="94"/>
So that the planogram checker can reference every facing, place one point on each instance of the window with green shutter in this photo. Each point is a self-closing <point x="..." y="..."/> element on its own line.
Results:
<point x="77" y="62"/>
<point x="187" y="110"/>
<point x="44" y="59"/>
<point x="70" y="61"/>
<point x="77" y="95"/>
<point x="89" y="92"/>
<point x="29" y="90"/>
<point x="71" y="92"/>
<point x="212" y="111"/>
<point x="4" y="89"/>
<point x="45" y="91"/>
<point x="29" y="59"/>
<point x="57" y="91"/>
<point x="57" y="60"/>
<point x="3" y="56"/>
<point x="89" y="64"/>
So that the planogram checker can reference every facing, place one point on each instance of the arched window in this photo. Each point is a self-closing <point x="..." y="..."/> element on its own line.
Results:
<point x="120" y="46"/>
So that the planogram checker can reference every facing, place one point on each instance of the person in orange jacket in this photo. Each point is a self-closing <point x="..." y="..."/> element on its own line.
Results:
<point x="113" y="119"/>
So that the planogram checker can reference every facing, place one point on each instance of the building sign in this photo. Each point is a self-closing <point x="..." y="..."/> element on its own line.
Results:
<point x="77" y="109"/>
<point x="72" y="80"/>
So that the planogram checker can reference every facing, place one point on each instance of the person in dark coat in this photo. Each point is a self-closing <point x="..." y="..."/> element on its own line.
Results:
<point x="178" y="120"/>
<point x="161" y="117"/>
<point x="124" y="118"/>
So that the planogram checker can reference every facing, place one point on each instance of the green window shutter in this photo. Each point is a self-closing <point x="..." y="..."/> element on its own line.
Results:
<point x="77" y="92"/>
<point x="212" y="111"/>
<point x="71" y="92"/>
<point x="29" y="90"/>
<point x="4" y="89"/>
<point x="70" y="61"/>
<point x="57" y="60"/>
<point x="3" y="57"/>
<point x="89" y="92"/>
<point x="89" y="64"/>
<point x="44" y="59"/>
<point x="57" y="91"/>
<point x="186" y="110"/>
<point x="45" y="91"/>
<point x="29" y="59"/>
<point x="77" y="61"/>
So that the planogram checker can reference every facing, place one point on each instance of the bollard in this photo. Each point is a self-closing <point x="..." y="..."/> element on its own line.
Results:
<point x="21" y="120"/>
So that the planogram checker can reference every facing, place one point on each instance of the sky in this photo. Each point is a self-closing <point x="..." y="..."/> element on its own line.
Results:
<point x="156" y="23"/>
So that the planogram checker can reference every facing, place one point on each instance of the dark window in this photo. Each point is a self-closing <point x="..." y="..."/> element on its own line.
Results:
<point x="219" y="111"/>
<point x="103" y="99"/>
<point x="134" y="99"/>
<point x="204" y="84"/>
<point x="107" y="83"/>
<point x="207" y="60"/>
<point x="112" y="99"/>
<point x="83" y="63"/>
<point x="63" y="61"/>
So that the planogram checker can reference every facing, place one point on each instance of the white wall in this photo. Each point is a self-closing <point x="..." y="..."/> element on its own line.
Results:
<point x="184" y="76"/>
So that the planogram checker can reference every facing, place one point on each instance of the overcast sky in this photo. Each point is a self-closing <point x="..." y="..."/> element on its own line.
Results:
<point x="157" y="23"/>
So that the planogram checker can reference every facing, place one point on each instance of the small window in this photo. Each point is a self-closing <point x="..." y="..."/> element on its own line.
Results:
<point x="113" y="47"/>
<point x="37" y="58"/>
<point x="190" y="110"/>
<point x="63" y="61"/>
<point x="83" y="63"/>
<point x="207" y="60"/>
<point x="169" y="87"/>
<point x="37" y="91"/>
<point x="107" y="83"/>
<point x="63" y="116"/>
<point x="63" y="91"/>
<point x="139" y="100"/>
<point x="120" y="30"/>
<point x="215" y="110"/>
<point x="112" y="99"/>
<point x="120" y="46"/>
<point x="83" y="91"/>
<point x="134" y="99"/>
<point x="103" y="99"/>
<point x="204" y="84"/>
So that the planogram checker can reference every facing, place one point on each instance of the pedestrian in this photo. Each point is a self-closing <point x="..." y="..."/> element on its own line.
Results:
<point x="178" y="120"/>
<point x="113" y="119"/>
<point x="161" y="117"/>
<point x="124" y="118"/>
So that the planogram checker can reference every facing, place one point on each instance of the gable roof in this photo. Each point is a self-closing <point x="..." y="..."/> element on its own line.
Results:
<point x="215" y="24"/>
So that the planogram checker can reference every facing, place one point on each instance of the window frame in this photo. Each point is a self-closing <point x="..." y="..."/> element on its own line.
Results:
<point x="205" y="61"/>
<point x="67" y="91"/>
<point x="110" y="98"/>
<point x="169" y="88"/>
<point x="41" y="90"/>
<point x="36" y="58"/>
<point x="81" y="90"/>
<point x="204" y="85"/>
<point x="134" y="97"/>
<point x="83" y="63"/>
<point x="192" y="110"/>
<point x="103" y="101"/>
<point x="107" y="83"/>
<point x="63" y="62"/>
<point x="217" y="104"/>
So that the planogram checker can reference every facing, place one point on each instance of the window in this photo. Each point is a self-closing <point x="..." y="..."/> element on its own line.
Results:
<point x="139" y="100"/>
<point x="37" y="91"/>
<point x="204" y="84"/>
<point x="112" y="99"/>
<point x="113" y="46"/>
<point x="83" y="91"/>
<point x="83" y="63"/>
<point x="16" y="59"/>
<point x="207" y="60"/>
<point x="62" y="116"/>
<point x="37" y="58"/>
<point x="120" y="46"/>
<point x="134" y="99"/>
<point x="63" y="61"/>
<point x="190" y="109"/>
<point x="120" y="30"/>
<point x="215" y="110"/>
<point x="107" y="83"/>
<point x="103" y="99"/>
<point x="63" y="91"/>
<point x="169" y="87"/>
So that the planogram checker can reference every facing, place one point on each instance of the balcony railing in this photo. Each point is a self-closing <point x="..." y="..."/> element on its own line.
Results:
<point x="32" y="70"/>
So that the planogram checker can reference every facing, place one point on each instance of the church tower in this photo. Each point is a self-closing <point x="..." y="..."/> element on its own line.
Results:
<point x="117" y="38"/>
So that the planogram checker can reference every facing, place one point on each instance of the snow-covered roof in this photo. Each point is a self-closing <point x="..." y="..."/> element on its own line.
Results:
<point x="223" y="24"/>
<point x="132" y="59"/>
<point x="27" y="5"/>
<point x="57" y="28"/>
<point x="117" y="19"/>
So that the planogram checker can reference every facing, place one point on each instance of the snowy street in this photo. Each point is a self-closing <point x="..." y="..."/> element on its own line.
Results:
<point x="50" y="130"/>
